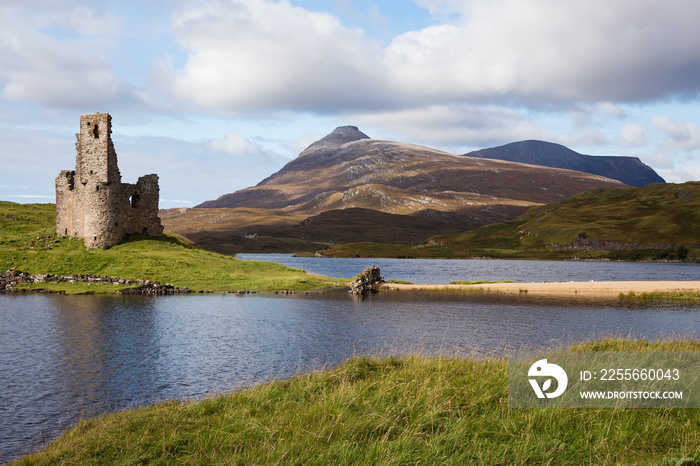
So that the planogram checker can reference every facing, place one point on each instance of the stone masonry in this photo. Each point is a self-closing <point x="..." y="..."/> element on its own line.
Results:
<point x="91" y="201"/>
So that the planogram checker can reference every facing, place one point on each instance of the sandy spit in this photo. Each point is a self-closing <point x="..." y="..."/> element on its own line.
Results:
<point x="569" y="289"/>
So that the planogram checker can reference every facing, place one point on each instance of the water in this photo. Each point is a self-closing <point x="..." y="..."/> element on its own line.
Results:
<point x="441" y="271"/>
<point x="67" y="357"/>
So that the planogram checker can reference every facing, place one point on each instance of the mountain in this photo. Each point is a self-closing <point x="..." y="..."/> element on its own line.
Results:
<point x="629" y="170"/>
<point x="348" y="169"/>
<point x="371" y="186"/>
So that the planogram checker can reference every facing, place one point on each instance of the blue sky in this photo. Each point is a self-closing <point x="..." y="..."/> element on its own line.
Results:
<point x="215" y="95"/>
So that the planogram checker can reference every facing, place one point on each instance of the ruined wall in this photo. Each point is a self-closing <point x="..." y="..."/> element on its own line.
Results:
<point x="142" y="205"/>
<point x="92" y="203"/>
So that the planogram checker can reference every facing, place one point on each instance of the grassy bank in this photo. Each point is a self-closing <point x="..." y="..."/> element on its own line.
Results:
<point x="28" y="243"/>
<point x="661" y="296"/>
<point x="656" y="222"/>
<point x="412" y="410"/>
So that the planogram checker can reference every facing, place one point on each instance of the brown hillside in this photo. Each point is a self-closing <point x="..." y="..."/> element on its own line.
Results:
<point x="347" y="170"/>
<point x="401" y="178"/>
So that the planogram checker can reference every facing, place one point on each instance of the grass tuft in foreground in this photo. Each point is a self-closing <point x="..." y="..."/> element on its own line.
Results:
<point x="413" y="410"/>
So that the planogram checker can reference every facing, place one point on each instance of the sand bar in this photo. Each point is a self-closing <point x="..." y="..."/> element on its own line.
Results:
<point x="568" y="289"/>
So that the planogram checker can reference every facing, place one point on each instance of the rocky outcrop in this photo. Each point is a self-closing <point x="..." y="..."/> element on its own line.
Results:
<point x="10" y="279"/>
<point x="364" y="282"/>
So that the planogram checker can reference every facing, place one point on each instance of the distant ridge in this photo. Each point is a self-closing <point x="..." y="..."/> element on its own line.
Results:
<point x="629" y="170"/>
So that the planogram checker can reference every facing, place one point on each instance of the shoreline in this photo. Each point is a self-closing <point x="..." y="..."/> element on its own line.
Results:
<point x="592" y="289"/>
<point x="41" y="283"/>
<point x="408" y="393"/>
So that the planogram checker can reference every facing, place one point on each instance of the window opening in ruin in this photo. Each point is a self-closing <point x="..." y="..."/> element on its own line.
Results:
<point x="91" y="172"/>
<point x="66" y="232"/>
<point x="96" y="131"/>
<point x="97" y="188"/>
<point x="134" y="200"/>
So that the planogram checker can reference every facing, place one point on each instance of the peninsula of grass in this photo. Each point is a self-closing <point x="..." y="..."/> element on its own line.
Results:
<point x="28" y="243"/>
<point x="409" y="410"/>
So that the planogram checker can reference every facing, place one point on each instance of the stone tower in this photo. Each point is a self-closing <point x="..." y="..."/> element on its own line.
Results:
<point x="92" y="203"/>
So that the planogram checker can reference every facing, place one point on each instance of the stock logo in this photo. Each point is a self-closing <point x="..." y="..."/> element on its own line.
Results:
<point x="542" y="368"/>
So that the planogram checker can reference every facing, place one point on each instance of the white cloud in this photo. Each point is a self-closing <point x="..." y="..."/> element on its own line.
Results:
<point x="573" y="51"/>
<point x="681" y="174"/>
<point x="297" y="145"/>
<point x="40" y="68"/>
<point x="193" y="171"/>
<point x="453" y="127"/>
<point x="683" y="135"/>
<point x="258" y="54"/>
<point x="611" y="109"/>
<point x="461" y="128"/>
<point x="235" y="144"/>
<point x="632" y="134"/>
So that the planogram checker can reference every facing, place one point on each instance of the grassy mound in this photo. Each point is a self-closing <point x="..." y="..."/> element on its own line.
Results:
<point x="28" y="243"/>
<point x="413" y="410"/>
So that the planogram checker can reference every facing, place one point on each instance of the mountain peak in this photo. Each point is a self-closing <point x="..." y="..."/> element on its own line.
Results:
<point x="341" y="135"/>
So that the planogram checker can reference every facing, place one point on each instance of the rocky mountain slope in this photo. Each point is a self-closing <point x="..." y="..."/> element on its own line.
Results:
<point x="348" y="169"/>
<point x="348" y="187"/>
<point x="629" y="170"/>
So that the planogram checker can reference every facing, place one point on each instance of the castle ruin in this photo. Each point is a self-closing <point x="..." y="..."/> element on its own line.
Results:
<point x="91" y="201"/>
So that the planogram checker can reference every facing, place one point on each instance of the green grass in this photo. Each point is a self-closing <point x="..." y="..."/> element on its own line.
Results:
<point x="74" y="288"/>
<point x="28" y="243"/>
<point x="410" y="410"/>
<point x="661" y="296"/>
<point x="645" y="217"/>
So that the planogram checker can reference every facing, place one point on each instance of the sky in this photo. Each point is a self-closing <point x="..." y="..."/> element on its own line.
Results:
<point x="216" y="95"/>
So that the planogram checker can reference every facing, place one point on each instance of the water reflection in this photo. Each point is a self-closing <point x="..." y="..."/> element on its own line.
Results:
<point x="102" y="343"/>
<point x="64" y="357"/>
